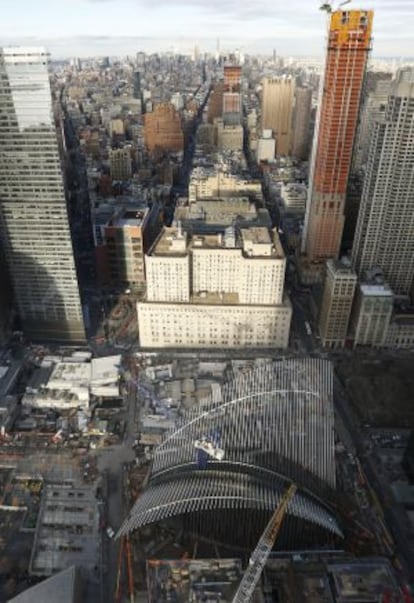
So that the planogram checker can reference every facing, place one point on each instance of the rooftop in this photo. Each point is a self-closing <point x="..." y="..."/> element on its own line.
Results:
<point x="257" y="235"/>
<point x="67" y="530"/>
<point x="376" y="290"/>
<point x="171" y="241"/>
<point x="255" y="241"/>
<point x="219" y="298"/>
<point x="132" y="216"/>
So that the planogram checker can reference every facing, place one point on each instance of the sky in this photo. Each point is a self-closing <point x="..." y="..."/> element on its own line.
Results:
<point x="117" y="27"/>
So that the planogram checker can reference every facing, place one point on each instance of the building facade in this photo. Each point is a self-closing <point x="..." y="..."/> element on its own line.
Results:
<point x="232" y="105"/>
<point x="349" y="42"/>
<point x="163" y="129"/>
<point x="127" y="236"/>
<point x="215" y="290"/>
<point x="371" y="314"/>
<point x="301" y="122"/>
<point x="384" y="233"/>
<point x="338" y="295"/>
<point x="34" y="223"/>
<point x="215" y="102"/>
<point x="121" y="164"/>
<point x="266" y="147"/>
<point x="228" y="137"/>
<point x="277" y="107"/>
<point x="373" y="109"/>
<point x="213" y="325"/>
<point x="401" y="331"/>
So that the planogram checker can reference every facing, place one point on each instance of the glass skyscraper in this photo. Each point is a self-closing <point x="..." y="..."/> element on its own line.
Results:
<point x="34" y="225"/>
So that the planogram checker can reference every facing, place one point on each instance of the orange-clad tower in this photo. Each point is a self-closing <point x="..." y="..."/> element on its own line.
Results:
<point x="232" y="93"/>
<point x="349" y="43"/>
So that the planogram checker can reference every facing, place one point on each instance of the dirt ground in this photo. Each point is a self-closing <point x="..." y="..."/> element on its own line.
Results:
<point x="380" y="388"/>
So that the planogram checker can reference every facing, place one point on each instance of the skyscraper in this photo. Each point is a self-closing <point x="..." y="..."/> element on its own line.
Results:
<point x="385" y="229"/>
<point x="232" y="95"/>
<point x="301" y="121"/>
<point x="337" y="298"/>
<point x="34" y="224"/>
<point x="349" y="42"/>
<point x="374" y="105"/>
<point x="277" y="107"/>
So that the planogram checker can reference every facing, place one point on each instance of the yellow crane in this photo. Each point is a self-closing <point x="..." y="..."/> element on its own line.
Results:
<point x="263" y="549"/>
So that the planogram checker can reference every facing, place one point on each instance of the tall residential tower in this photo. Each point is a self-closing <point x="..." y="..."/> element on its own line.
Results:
<point x="349" y="42"/>
<point x="34" y="224"/>
<point x="385" y="229"/>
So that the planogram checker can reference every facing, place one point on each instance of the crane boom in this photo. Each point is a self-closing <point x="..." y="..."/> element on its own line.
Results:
<point x="263" y="548"/>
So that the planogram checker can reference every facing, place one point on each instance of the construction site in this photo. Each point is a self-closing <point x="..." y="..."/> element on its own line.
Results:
<point x="201" y="504"/>
<point x="230" y="476"/>
<point x="46" y="528"/>
<point x="380" y="387"/>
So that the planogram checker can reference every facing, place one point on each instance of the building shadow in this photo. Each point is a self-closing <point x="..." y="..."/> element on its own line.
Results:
<point x="44" y="311"/>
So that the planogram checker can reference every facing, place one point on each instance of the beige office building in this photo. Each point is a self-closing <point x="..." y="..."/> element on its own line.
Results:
<point x="277" y="107"/>
<point x="215" y="291"/>
<point x="338" y="295"/>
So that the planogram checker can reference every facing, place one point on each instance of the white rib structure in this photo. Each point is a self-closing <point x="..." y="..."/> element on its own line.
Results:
<point x="275" y="424"/>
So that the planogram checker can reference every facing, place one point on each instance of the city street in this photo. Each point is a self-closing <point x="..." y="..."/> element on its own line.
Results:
<point x="111" y="463"/>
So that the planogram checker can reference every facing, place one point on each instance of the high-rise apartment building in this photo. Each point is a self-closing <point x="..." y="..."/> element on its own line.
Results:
<point x="337" y="298"/>
<point x="374" y="106"/>
<point x="34" y="224"/>
<point x="232" y="94"/>
<point x="385" y="229"/>
<point x="349" y="42"/>
<point x="301" y="122"/>
<point x="277" y="107"/>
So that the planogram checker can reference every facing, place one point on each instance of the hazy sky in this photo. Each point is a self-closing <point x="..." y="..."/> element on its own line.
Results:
<point x="86" y="27"/>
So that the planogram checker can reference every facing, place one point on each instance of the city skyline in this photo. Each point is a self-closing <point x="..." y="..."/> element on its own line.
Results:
<point x="86" y="27"/>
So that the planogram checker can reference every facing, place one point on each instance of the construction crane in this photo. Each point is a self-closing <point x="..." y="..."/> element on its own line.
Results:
<point x="327" y="6"/>
<point x="263" y="549"/>
<point x="124" y="549"/>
